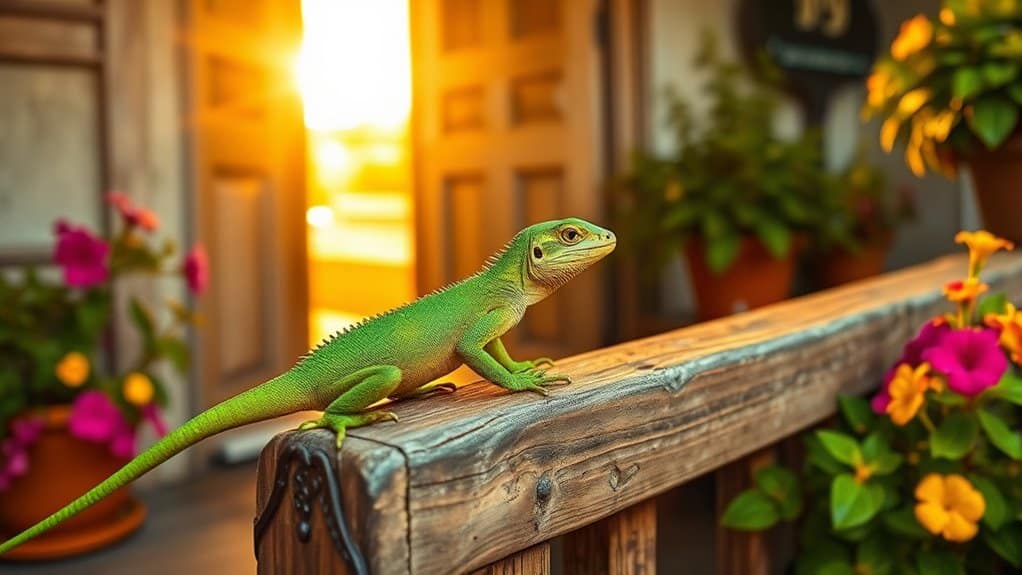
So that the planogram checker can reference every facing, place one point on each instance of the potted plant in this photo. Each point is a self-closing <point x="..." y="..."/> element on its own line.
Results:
<point x="923" y="478"/>
<point x="862" y="213"/>
<point x="68" y="419"/>
<point x="734" y="195"/>
<point x="950" y="91"/>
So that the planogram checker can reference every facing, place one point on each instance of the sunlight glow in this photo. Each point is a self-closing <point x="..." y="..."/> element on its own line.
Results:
<point x="355" y="65"/>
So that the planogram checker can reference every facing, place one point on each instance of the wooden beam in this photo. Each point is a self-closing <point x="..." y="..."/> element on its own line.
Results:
<point x="737" y="551"/>
<point x="622" y="544"/>
<point x="487" y="473"/>
<point x="533" y="561"/>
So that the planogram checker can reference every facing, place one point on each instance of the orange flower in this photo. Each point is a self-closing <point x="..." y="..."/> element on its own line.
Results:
<point x="73" y="369"/>
<point x="949" y="506"/>
<point x="907" y="390"/>
<point x="915" y="34"/>
<point x="1010" y="324"/>
<point x="138" y="389"/>
<point x="862" y="472"/>
<point x="982" y="244"/>
<point x="965" y="290"/>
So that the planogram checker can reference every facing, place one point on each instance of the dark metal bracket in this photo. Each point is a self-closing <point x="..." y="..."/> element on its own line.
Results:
<point x="315" y="484"/>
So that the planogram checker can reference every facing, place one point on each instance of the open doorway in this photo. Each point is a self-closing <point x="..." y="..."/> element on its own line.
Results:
<point x="355" y="78"/>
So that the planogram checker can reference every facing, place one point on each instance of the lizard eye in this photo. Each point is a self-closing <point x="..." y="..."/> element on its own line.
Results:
<point x="570" y="236"/>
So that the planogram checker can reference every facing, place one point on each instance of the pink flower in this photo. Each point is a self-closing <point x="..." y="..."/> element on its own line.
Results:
<point x="196" y="269"/>
<point x="25" y="430"/>
<point x="970" y="359"/>
<point x="94" y="417"/>
<point x="82" y="255"/>
<point x="151" y="413"/>
<point x="929" y="336"/>
<point x="122" y="443"/>
<point x="132" y="214"/>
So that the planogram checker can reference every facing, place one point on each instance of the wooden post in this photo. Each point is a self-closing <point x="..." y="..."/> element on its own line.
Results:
<point x="622" y="544"/>
<point x="740" y="552"/>
<point x="532" y="561"/>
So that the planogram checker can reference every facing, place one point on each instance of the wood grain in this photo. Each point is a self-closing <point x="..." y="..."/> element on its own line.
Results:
<point x="533" y="561"/>
<point x="622" y="544"/>
<point x="737" y="551"/>
<point x="488" y="473"/>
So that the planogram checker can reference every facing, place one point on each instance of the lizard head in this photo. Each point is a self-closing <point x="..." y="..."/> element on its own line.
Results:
<point x="559" y="250"/>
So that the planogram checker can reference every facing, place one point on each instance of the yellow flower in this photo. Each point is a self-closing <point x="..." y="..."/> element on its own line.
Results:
<point x="889" y="133"/>
<point x="982" y="244"/>
<point x="965" y="290"/>
<point x="915" y="34"/>
<point x="947" y="16"/>
<point x="939" y="126"/>
<point x="949" y="506"/>
<point x="73" y="369"/>
<point x="912" y="101"/>
<point x="907" y="389"/>
<point x="1010" y="324"/>
<point x="138" y="389"/>
<point x="862" y="472"/>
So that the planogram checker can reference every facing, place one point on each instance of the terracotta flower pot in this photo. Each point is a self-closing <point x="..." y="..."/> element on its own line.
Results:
<point x="997" y="179"/>
<point x="61" y="468"/>
<point x="755" y="279"/>
<point x="842" y="266"/>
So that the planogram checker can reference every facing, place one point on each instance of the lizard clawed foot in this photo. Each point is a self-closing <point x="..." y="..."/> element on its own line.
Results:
<point x="339" y="423"/>
<point x="427" y="390"/>
<point x="536" y="380"/>
<point x="542" y="362"/>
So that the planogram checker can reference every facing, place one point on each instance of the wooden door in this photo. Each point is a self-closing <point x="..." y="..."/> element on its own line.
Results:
<point x="247" y="163"/>
<point x="507" y="132"/>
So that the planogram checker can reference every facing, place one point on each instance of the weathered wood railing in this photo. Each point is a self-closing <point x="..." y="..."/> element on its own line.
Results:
<point x="483" y="479"/>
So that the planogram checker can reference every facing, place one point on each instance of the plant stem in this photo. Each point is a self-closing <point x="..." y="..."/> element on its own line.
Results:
<point x="925" y="419"/>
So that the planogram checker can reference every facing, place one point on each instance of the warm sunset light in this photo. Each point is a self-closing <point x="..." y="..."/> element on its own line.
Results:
<point x="355" y="65"/>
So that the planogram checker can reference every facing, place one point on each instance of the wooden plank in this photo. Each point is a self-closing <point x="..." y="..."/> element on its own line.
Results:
<point x="532" y="561"/>
<point x="490" y="473"/>
<point x="622" y="544"/>
<point x="741" y="552"/>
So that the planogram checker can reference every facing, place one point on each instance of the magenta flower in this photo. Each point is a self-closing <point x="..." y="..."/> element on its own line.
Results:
<point x="929" y="336"/>
<point x="82" y="255"/>
<point x="122" y="443"/>
<point x="970" y="359"/>
<point x="196" y="269"/>
<point x="25" y="430"/>
<point x="151" y="413"/>
<point x="133" y="214"/>
<point x="94" y="417"/>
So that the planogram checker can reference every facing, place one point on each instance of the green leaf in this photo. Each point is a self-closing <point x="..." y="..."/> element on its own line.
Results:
<point x="999" y="73"/>
<point x="852" y="503"/>
<point x="994" y="303"/>
<point x="939" y="563"/>
<point x="1015" y="91"/>
<point x="903" y="522"/>
<point x="774" y="236"/>
<point x="873" y="556"/>
<point x="955" y="436"/>
<point x="996" y="513"/>
<point x="1006" y="542"/>
<point x="1009" y="388"/>
<point x="817" y="455"/>
<point x="966" y="83"/>
<point x="175" y="350"/>
<point x="143" y="320"/>
<point x="878" y="455"/>
<point x="1000" y="434"/>
<point x="857" y="413"/>
<point x="993" y="119"/>
<point x="782" y="486"/>
<point x="722" y="251"/>
<point x="842" y="447"/>
<point x="752" y="510"/>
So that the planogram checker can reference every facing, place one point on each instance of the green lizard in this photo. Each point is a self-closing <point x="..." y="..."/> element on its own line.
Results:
<point x="396" y="354"/>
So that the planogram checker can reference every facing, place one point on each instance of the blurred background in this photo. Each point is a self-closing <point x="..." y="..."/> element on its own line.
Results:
<point x="336" y="158"/>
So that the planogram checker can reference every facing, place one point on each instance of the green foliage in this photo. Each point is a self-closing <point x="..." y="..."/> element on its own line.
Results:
<point x="951" y="85"/>
<point x="732" y="178"/>
<point x="853" y="503"/>
<point x="955" y="437"/>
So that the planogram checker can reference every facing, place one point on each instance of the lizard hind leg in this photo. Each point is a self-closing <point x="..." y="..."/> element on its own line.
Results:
<point x="361" y="389"/>
<point x="428" y="390"/>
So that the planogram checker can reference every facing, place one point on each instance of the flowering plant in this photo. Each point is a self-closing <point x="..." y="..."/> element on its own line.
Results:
<point x="924" y="478"/>
<point x="949" y="82"/>
<point x="52" y="334"/>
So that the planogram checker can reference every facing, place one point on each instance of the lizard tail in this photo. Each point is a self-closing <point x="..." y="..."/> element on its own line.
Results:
<point x="274" y="398"/>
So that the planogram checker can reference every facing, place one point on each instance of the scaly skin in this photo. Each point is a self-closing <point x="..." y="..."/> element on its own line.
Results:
<point x="397" y="354"/>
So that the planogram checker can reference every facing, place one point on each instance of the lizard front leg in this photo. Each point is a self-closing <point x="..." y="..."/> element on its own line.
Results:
<point x="361" y="389"/>
<point x="472" y="350"/>
<point x="499" y="352"/>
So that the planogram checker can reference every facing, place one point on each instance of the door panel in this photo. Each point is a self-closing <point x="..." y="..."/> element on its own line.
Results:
<point x="248" y="161"/>
<point x="507" y="133"/>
